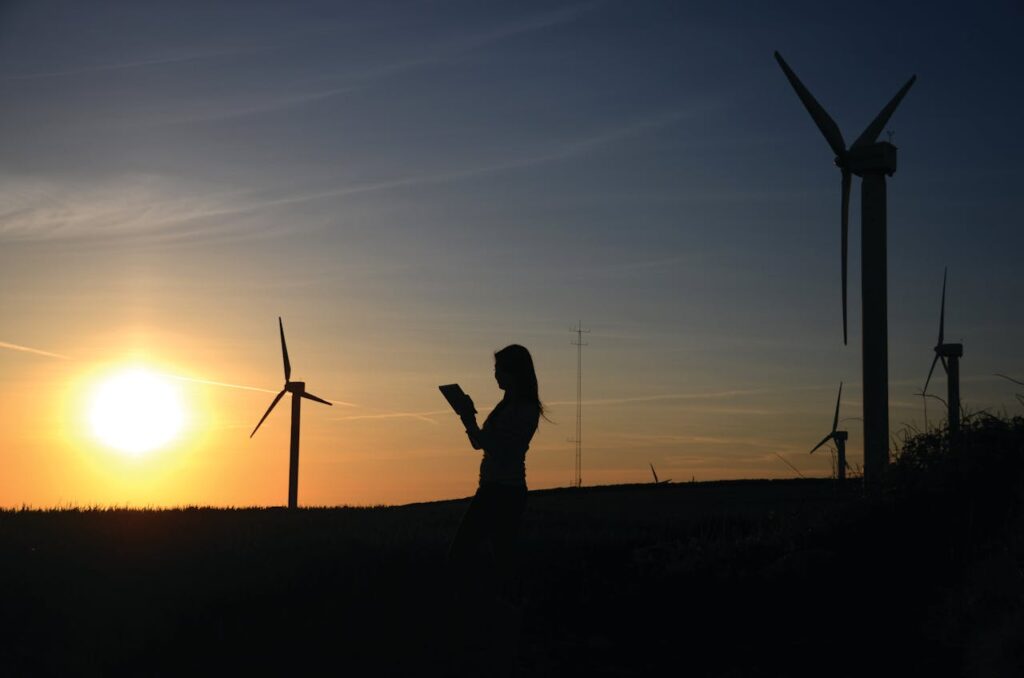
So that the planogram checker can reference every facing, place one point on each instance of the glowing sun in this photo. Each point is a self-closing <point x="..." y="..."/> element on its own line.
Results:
<point x="136" y="411"/>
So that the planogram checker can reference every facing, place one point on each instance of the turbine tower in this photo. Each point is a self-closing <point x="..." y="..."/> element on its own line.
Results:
<point x="839" y="438"/>
<point x="298" y="391"/>
<point x="577" y="480"/>
<point x="871" y="160"/>
<point x="950" y="355"/>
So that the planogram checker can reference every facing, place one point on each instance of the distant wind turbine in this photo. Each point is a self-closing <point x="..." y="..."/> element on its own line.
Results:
<point x="838" y="437"/>
<point x="950" y="355"/>
<point x="298" y="391"/>
<point x="655" y="474"/>
<point x="871" y="160"/>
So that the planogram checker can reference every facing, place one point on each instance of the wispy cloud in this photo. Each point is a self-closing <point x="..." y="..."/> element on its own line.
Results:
<point x="157" y="208"/>
<point x="732" y="442"/>
<point x="123" y="65"/>
<point x="35" y="351"/>
<point x="196" y="380"/>
<point x="419" y="416"/>
<point x="215" y="383"/>
<point x="209" y="382"/>
<point x="182" y="56"/>
<point x="755" y="460"/>
<point x="38" y="209"/>
<point x="560" y="151"/>
<point x="452" y="51"/>
<point x="710" y="395"/>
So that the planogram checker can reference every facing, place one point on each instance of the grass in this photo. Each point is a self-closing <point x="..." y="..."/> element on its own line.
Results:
<point x="741" y="578"/>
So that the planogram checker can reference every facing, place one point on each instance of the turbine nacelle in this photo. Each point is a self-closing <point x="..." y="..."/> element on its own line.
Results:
<point x="835" y="436"/>
<point x="296" y="388"/>
<point x="871" y="159"/>
<point x="950" y="350"/>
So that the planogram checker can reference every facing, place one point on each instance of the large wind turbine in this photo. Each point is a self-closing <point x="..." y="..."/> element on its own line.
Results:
<point x="871" y="160"/>
<point x="950" y="355"/>
<point x="838" y="437"/>
<point x="298" y="391"/>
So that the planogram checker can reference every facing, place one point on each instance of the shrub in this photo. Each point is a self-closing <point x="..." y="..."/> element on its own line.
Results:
<point x="981" y="473"/>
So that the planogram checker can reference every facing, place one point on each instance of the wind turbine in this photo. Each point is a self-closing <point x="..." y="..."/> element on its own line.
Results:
<point x="655" y="474"/>
<point x="950" y="355"/>
<point x="298" y="391"/>
<point x="838" y="437"/>
<point x="871" y="160"/>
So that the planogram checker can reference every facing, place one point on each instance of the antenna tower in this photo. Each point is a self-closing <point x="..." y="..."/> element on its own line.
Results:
<point x="579" y="344"/>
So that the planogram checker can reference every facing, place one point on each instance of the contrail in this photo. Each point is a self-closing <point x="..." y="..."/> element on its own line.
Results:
<point x="26" y="349"/>
<point x="216" y="383"/>
<point x="208" y="382"/>
<point x="422" y="416"/>
<point x="240" y="386"/>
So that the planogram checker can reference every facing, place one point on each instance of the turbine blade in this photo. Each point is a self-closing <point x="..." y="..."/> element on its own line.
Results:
<point x="825" y="123"/>
<point x="653" y="472"/>
<point x="835" y="419"/>
<point x="313" y="397"/>
<point x="823" y="441"/>
<point x="845" y="238"/>
<point x="945" y="367"/>
<point x="926" y="381"/>
<point x="878" y="124"/>
<point x="1003" y="376"/>
<point x="284" y="352"/>
<point x="942" y="313"/>
<point x="267" y="413"/>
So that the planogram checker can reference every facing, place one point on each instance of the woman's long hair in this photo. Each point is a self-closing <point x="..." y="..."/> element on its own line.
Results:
<point x="515" y="361"/>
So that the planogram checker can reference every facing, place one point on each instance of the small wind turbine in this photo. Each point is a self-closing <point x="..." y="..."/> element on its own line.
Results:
<point x="298" y="391"/>
<point x="871" y="160"/>
<point x="950" y="355"/>
<point x="838" y="437"/>
<point x="655" y="474"/>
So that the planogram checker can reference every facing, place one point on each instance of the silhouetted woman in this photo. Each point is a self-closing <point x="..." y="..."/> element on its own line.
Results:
<point x="483" y="553"/>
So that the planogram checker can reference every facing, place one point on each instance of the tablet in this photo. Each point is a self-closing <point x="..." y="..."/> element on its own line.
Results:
<point x="456" y="397"/>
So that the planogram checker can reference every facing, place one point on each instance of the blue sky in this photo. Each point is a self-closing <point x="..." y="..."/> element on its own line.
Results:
<point x="416" y="184"/>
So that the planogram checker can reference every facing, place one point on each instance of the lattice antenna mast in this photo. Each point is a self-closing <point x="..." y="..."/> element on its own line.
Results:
<point x="579" y="344"/>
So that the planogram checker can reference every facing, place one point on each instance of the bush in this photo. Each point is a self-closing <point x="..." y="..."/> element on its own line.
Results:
<point x="981" y="474"/>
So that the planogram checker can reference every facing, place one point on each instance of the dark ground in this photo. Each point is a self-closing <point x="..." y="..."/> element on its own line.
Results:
<point x="746" y="578"/>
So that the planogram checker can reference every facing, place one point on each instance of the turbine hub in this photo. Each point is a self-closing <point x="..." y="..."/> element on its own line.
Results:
<point x="295" y="387"/>
<point x="950" y="350"/>
<point x="840" y="435"/>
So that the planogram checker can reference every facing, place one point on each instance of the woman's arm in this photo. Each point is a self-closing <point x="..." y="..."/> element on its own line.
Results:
<point x="513" y="429"/>
<point x="473" y="431"/>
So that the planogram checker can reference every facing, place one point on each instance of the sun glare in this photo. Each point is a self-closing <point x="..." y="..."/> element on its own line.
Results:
<point x="136" y="411"/>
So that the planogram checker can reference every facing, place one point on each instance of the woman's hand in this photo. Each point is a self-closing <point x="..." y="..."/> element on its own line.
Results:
<point x="469" y="420"/>
<point x="468" y="417"/>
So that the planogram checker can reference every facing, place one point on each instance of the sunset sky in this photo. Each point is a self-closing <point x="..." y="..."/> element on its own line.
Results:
<point x="414" y="185"/>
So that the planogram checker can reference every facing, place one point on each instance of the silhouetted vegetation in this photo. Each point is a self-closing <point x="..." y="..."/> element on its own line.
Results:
<point x="978" y="476"/>
<point x="745" y="578"/>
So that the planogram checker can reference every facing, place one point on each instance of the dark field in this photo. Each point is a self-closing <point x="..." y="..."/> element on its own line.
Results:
<point x="726" y="579"/>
